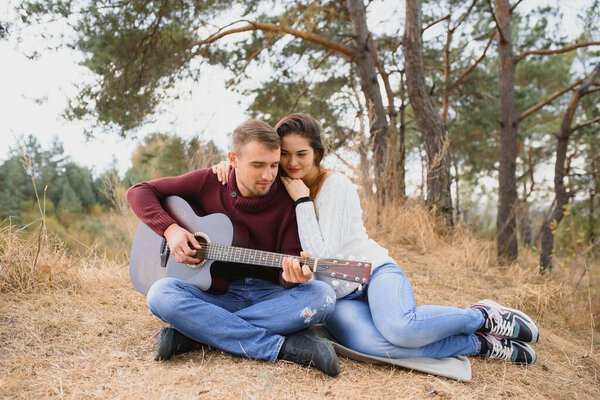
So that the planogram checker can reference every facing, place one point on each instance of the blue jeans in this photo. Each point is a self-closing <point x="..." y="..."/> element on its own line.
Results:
<point x="249" y="320"/>
<point x="384" y="321"/>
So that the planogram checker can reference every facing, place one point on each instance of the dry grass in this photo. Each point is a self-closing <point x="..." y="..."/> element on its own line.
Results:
<point x="87" y="334"/>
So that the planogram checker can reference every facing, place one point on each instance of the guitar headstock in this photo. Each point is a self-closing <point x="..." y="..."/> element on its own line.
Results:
<point x="348" y="270"/>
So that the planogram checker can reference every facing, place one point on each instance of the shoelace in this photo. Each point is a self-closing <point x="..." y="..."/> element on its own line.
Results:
<point x="500" y="351"/>
<point x="500" y="326"/>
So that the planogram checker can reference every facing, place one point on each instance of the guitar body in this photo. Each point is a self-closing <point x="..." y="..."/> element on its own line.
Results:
<point x="149" y="251"/>
<point x="150" y="256"/>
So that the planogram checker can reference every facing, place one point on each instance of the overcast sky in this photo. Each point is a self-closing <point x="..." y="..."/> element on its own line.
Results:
<point x="35" y="91"/>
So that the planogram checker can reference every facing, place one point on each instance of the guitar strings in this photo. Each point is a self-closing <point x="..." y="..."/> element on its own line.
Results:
<point x="212" y="251"/>
<point x="273" y="257"/>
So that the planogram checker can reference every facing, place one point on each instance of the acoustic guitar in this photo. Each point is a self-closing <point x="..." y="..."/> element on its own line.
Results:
<point x="150" y="258"/>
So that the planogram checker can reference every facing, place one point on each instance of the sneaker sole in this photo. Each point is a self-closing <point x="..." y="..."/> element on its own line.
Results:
<point x="535" y="332"/>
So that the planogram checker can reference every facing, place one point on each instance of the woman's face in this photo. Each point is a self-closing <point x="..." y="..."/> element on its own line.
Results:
<point x="297" y="157"/>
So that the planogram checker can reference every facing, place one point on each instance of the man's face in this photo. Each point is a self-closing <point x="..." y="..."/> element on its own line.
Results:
<point x="256" y="168"/>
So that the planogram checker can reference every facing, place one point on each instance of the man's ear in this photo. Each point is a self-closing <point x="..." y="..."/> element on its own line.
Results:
<point x="232" y="159"/>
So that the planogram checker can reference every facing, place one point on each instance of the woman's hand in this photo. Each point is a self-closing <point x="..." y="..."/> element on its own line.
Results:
<point x="179" y="240"/>
<point x="295" y="187"/>
<point x="222" y="171"/>
<point x="293" y="272"/>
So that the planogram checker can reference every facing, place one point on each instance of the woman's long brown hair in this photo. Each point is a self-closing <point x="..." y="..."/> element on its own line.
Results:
<point x="307" y="127"/>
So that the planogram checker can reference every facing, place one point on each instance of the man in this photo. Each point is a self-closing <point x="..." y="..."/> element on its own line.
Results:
<point x="258" y="315"/>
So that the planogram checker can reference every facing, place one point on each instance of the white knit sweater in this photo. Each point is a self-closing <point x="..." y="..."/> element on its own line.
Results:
<point x="332" y="227"/>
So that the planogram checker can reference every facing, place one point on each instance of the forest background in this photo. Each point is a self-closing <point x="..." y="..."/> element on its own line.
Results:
<point x="479" y="143"/>
<point x="484" y="114"/>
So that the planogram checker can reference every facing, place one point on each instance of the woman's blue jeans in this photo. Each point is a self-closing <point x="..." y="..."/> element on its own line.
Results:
<point x="249" y="320"/>
<point x="386" y="322"/>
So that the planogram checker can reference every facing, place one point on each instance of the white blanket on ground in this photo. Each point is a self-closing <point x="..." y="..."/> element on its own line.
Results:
<point x="458" y="368"/>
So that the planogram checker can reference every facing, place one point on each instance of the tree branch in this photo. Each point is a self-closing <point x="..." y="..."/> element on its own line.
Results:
<point x="464" y="16"/>
<point x="445" y="17"/>
<point x="550" y="99"/>
<point x="586" y="123"/>
<point x="260" y="26"/>
<point x="269" y="42"/>
<point x="515" y="5"/>
<point x="472" y="67"/>
<point x="594" y="90"/>
<point x="307" y="85"/>
<point x="555" y="51"/>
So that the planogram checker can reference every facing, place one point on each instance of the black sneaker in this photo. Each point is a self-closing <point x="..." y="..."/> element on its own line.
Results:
<point x="170" y="342"/>
<point x="498" y="348"/>
<point x="507" y="322"/>
<point x="306" y="349"/>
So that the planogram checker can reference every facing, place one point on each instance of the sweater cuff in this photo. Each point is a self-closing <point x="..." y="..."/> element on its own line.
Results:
<point x="302" y="200"/>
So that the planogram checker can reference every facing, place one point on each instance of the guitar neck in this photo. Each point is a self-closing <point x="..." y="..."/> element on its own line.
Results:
<point x="219" y="252"/>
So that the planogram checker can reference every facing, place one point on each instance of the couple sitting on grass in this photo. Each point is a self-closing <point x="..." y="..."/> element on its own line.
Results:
<point x="280" y="199"/>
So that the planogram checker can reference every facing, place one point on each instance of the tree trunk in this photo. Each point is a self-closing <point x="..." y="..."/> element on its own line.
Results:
<point x="394" y="153"/>
<point x="446" y="99"/>
<point x="457" y="216"/>
<point x="402" y="133"/>
<point x="436" y="142"/>
<point x="367" y="71"/>
<point x="506" y="238"/>
<point x="591" y="236"/>
<point x="562" y="196"/>
<point x="524" y="223"/>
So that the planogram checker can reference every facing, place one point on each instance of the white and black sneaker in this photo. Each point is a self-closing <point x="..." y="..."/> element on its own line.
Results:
<point x="507" y="322"/>
<point x="498" y="348"/>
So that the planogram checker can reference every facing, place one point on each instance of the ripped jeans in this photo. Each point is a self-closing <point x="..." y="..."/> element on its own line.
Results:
<point x="249" y="320"/>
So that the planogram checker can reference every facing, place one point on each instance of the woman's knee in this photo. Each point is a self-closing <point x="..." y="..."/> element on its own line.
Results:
<point x="352" y="326"/>
<point x="401" y="332"/>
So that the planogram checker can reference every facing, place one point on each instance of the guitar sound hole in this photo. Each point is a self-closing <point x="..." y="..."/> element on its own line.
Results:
<point x="203" y="241"/>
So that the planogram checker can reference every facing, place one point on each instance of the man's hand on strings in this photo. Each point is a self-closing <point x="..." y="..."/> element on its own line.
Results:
<point x="179" y="240"/>
<point x="294" y="272"/>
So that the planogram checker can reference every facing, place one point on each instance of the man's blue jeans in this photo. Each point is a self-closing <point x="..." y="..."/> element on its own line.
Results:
<point x="386" y="322"/>
<point x="249" y="320"/>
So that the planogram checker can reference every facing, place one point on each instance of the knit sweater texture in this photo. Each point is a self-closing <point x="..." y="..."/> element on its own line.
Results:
<point x="332" y="227"/>
<point x="265" y="223"/>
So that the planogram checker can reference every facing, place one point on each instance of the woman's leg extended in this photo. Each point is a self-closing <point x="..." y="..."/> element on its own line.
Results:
<point x="351" y="324"/>
<point x="395" y="314"/>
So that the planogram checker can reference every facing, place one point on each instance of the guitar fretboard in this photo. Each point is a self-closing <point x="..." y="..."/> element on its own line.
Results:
<point x="219" y="252"/>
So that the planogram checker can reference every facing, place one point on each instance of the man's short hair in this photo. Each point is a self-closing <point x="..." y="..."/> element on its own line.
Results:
<point x="253" y="130"/>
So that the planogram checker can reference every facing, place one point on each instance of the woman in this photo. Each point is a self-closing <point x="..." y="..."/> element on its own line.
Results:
<point x="382" y="318"/>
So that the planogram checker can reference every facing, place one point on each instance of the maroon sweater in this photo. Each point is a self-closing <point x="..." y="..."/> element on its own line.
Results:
<point x="263" y="222"/>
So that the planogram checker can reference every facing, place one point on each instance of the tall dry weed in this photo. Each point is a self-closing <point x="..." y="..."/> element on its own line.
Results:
<point x="28" y="262"/>
<point x="409" y="225"/>
<point x="118" y="225"/>
<point x="30" y="259"/>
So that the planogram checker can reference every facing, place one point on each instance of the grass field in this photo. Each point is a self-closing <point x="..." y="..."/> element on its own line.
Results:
<point x="74" y="327"/>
